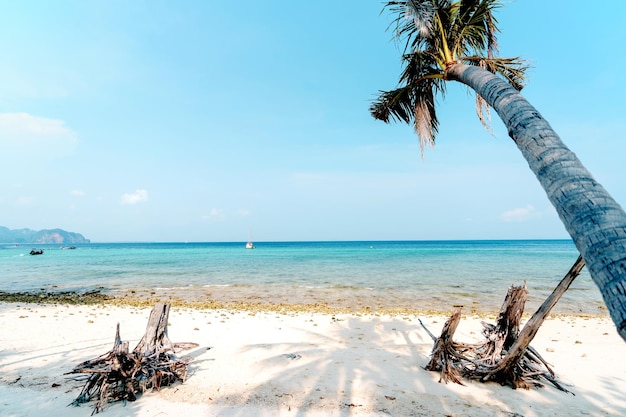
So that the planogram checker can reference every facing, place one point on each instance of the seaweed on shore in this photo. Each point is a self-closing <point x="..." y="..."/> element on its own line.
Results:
<point x="60" y="297"/>
<point x="135" y="298"/>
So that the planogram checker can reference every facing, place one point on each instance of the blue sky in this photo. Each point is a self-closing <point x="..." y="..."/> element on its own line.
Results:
<point x="205" y="120"/>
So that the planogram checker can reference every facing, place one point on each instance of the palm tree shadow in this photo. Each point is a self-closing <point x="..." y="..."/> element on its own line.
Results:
<point x="374" y="365"/>
<point x="344" y="368"/>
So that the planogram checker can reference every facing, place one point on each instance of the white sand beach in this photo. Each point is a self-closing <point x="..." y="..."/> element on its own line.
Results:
<point x="299" y="364"/>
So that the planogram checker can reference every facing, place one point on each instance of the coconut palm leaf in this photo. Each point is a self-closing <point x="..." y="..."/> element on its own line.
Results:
<point x="512" y="69"/>
<point x="394" y="105"/>
<point x="438" y="34"/>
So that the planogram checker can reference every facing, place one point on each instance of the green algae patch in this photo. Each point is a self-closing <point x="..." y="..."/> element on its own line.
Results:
<point x="62" y="297"/>
<point x="149" y="299"/>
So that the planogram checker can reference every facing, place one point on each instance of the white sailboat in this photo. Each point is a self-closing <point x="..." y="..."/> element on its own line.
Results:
<point x="250" y="245"/>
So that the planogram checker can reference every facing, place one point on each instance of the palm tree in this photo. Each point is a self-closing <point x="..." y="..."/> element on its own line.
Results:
<point x="456" y="41"/>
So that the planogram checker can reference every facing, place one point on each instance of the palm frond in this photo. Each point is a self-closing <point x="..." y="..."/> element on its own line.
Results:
<point x="394" y="105"/>
<point x="474" y="29"/>
<point x="512" y="69"/>
<point x="492" y="40"/>
<point x="426" y="123"/>
<point x="421" y="12"/>
<point x="413" y="22"/>
<point x="483" y="112"/>
<point x="418" y="65"/>
<point x="414" y="103"/>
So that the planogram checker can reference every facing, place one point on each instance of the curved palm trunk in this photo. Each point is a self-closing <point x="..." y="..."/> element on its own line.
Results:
<point x="596" y="223"/>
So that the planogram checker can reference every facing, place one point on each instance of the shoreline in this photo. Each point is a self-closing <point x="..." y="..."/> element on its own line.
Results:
<point x="199" y="301"/>
<point x="421" y="276"/>
<point x="299" y="363"/>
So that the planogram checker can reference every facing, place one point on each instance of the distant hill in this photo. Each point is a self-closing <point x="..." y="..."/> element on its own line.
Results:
<point x="42" y="236"/>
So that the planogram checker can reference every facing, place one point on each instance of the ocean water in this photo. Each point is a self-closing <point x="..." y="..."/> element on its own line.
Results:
<point x="421" y="275"/>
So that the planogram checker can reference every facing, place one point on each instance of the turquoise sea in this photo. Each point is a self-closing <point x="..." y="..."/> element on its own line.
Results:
<point x="379" y="274"/>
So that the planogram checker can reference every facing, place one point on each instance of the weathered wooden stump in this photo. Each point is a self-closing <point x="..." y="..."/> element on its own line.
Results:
<point x="506" y="355"/>
<point x="122" y="375"/>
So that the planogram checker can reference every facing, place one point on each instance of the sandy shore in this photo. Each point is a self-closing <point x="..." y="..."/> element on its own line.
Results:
<point x="299" y="364"/>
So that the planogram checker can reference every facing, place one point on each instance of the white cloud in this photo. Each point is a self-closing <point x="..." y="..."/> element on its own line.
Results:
<point x="520" y="214"/>
<point x="214" y="215"/>
<point x="33" y="135"/>
<point x="78" y="193"/>
<point x="243" y="212"/>
<point x="139" y="196"/>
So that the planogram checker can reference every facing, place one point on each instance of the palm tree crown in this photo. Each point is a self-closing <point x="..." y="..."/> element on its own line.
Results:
<point x="437" y="35"/>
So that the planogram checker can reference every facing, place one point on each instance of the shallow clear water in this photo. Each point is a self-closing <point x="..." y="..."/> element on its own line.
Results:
<point x="408" y="274"/>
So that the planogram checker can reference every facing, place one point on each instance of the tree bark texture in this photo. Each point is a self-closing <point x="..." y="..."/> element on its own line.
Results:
<point x="594" y="220"/>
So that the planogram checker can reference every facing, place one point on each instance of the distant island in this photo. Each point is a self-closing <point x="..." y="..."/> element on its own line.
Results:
<point x="58" y="236"/>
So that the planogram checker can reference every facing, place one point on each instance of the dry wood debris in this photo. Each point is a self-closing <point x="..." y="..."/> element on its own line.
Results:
<point x="505" y="356"/>
<point x="120" y="375"/>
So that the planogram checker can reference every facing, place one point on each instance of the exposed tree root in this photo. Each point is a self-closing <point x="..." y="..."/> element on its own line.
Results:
<point x="120" y="375"/>
<point x="505" y="356"/>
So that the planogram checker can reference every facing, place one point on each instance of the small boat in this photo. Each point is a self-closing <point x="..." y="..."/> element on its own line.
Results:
<point x="68" y="247"/>
<point x="36" y="252"/>
<point x="250" y="245"/>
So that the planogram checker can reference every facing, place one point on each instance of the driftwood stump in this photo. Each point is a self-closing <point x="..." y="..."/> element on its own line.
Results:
<point x="122" y="375"/>
<point x="506" y="355"/>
